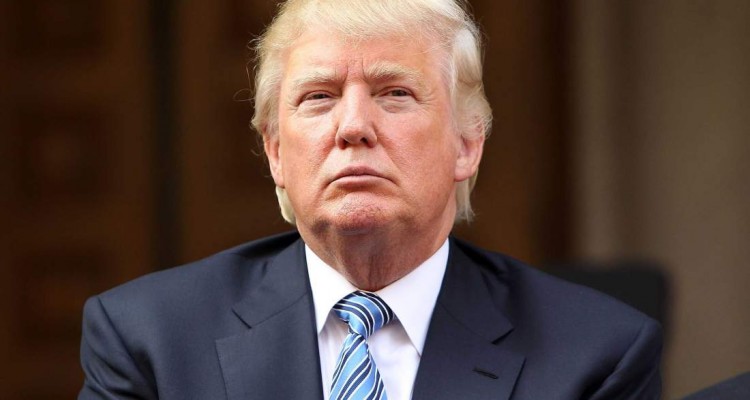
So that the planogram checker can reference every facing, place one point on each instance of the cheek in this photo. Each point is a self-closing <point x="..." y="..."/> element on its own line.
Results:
<point x="426" y="156"/>
<point x="303" y="145"/>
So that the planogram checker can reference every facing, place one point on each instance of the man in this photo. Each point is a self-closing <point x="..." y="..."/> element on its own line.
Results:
<point x="373" y="118"/>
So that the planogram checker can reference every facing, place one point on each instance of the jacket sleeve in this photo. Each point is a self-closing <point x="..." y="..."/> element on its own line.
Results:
<point x="637" y="375"/>
<point x="110" y="370"/>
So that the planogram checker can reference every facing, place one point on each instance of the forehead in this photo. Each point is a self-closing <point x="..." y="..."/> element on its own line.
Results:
<point x="329" y="55"/>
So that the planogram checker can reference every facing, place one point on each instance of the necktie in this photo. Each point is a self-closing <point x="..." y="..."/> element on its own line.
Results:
<point x="355" y="376"/>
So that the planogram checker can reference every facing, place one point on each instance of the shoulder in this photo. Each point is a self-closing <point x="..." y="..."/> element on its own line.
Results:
<point x="546" y="307"/>
<point x="217" y="281"/>
<point x="573" y="335"/>
<point x="163" y="326"/>
<point x="528" y="286"/>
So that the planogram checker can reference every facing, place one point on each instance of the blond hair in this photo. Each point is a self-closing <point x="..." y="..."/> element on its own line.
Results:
<point x="445" y="22"/>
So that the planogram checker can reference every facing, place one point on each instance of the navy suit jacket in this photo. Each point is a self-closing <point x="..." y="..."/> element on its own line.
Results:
<point x="241" y="325"/>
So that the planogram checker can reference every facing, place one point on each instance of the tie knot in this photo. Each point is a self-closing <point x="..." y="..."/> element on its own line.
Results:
<point x="365" y="312"/>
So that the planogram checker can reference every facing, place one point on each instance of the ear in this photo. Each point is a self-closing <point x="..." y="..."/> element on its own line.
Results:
<point x="272" y="147"/>
<point x="469" y="155"/>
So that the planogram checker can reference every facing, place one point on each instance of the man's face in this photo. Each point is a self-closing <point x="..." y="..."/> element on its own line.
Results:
<point x="366" y="136"/>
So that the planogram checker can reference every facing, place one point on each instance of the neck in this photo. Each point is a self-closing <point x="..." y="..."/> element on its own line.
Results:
<point x="374" y="260"/>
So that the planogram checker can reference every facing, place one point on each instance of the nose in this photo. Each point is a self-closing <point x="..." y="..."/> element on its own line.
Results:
<point x="355" y="123"/>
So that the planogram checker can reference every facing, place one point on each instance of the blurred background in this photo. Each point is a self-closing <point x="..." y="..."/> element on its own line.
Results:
<point x="621" y="136"/>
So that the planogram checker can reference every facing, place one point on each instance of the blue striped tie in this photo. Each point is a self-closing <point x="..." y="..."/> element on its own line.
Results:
<point x="355" y="376"/>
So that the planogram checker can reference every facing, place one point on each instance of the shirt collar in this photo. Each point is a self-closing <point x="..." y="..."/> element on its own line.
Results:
<point x="412" y="298"/>
<point x="328" y="286"/>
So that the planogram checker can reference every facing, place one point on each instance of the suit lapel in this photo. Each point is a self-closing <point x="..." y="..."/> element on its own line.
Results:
<point x="277" y="357"/>
<point x="466" y="354"/>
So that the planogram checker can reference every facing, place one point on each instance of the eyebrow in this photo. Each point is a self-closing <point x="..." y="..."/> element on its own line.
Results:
<point x="381" y="71"/>
<point x="386" y="71"/>
<point x="316" y="76"/>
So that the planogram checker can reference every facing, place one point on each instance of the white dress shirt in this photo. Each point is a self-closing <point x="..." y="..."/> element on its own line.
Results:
<point x="397" y="347"/>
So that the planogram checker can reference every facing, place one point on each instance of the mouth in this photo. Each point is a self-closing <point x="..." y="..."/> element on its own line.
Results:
<point x="357" y="173"/>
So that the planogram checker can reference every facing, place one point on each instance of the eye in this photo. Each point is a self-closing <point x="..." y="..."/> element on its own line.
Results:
<point x="398" y="93"/>
<point x="315" y="96"/>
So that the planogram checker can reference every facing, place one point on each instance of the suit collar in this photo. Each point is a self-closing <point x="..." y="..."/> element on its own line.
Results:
<point x="281" y="340"/>
<point x="283" y="284"/>
<point x="467" y="354"/>
<point x="473" y="297"/>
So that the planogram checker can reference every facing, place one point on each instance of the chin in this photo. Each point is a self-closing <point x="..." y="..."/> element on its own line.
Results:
<point x="359" y="219"/>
